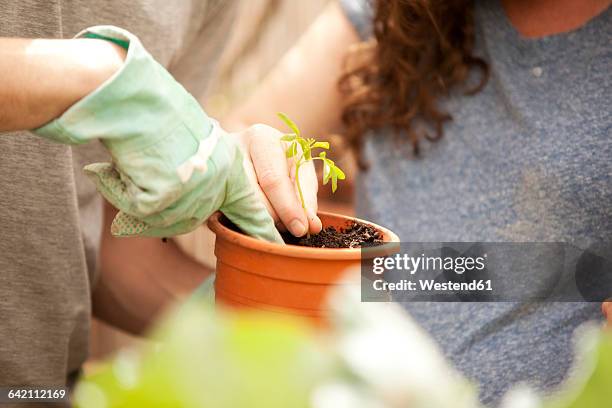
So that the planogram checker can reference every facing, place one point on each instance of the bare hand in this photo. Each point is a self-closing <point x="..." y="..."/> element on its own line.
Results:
<point x="274" y="174"/>
<point x="606" y="308"/>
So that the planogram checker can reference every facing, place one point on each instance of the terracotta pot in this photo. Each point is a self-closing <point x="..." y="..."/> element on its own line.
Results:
<point x="286" y="279"/>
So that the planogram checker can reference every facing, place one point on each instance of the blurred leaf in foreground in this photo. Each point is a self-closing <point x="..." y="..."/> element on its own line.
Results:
<point x="591" y="383"/>
<point x="590" y="380"/>
<point x="373" y="356"/>
<point x="205" y="358"/>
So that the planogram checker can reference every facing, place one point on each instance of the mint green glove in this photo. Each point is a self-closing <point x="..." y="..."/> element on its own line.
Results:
<point x="173" y="166"/>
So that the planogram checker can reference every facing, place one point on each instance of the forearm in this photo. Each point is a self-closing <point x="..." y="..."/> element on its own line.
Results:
<point x="140" y="277"/>
<point x="40" y="79"/>
<point x="304" y="84"/>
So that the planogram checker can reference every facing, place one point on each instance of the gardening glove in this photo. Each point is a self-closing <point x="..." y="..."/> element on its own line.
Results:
<point x="173" y="166"/>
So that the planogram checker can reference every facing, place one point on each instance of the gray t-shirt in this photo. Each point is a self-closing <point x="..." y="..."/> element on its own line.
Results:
<point x="527" y="159"/>
<point x="50" y="214"/>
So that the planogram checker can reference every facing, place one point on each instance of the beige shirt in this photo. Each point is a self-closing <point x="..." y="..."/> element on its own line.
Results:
<point x="50" y="214"/>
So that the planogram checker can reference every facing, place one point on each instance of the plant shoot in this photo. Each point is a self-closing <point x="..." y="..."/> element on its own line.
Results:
<point x="302" y="150"/>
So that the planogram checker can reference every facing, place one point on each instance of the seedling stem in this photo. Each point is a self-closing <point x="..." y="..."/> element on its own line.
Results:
<point x="301" y="150"/>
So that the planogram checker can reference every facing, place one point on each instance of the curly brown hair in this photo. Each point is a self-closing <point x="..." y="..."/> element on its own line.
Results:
<point x="421" y="50"/>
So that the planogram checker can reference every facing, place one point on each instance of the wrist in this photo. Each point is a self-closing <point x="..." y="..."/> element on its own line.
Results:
<point x="100" y="60"/>
<point x="43" y="78"/>
<point x="80" y="66"/>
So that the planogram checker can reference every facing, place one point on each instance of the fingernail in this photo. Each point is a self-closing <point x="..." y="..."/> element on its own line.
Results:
<point x="315" y="224"/>
<point x="311" y="214"/>
<point x="318" y="224"/>
<point x="297" y="228"/>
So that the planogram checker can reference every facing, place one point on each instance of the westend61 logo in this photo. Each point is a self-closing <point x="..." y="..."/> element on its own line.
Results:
<point x="413" y="264"/>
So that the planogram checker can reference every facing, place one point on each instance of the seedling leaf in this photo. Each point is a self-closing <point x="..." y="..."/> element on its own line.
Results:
<point x="305" y="149"/>
<point x="288" y="138"/>
<point x="289" y="123"/>
<point x="303" y="155"/>
<point x="326" y="172"/>
<point x="322" y="145"/>
<point x="291" y="150"/>
<point x="340" y="173"/>
<point x="334" y="179"/>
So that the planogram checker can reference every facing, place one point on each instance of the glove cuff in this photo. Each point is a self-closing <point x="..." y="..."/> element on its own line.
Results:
<point x="132" y="110"/>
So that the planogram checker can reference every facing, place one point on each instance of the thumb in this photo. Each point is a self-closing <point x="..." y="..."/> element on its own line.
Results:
<point x="245" y="209"/>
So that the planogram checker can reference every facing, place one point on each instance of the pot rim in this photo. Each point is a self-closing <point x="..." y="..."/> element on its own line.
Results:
<point x="390" y="245"/>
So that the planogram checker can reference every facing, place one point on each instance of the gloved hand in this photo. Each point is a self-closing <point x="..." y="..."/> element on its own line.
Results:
<point x="173" y="166"/>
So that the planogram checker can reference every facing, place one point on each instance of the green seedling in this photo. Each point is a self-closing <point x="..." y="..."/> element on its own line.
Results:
<point x="302" y="150"/>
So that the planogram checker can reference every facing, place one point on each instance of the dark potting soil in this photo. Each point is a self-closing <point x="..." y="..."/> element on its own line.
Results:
<point x="353" y="235"/>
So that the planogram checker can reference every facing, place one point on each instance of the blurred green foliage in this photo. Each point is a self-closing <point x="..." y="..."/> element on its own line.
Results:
<point x="201" y="357"/>
<point x="591" y="384"/>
